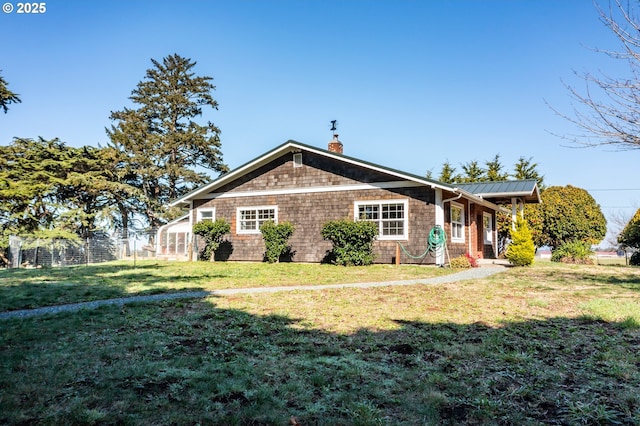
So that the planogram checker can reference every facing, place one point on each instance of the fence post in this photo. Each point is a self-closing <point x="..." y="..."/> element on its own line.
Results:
<point x="35" y="258"/>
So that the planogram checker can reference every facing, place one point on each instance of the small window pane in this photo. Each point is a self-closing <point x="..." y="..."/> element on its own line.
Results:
<point x="392" y="228"/>
<point x="456" y="214"/>
<point x="368" y="212"/>
<point x="206" y="215"/>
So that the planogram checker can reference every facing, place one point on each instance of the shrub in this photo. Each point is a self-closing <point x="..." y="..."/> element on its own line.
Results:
<point x="521" y="250"/>
<point x="635" y="259"/>
<point x="275" y="239"/>
<point x="212" y="233"/>
<point x="573" y="252"/>
<point x="472" y="260"/>
<point x="630" y="235"/>
<point x="460" y="262"/>
<point x="352" y="241"/>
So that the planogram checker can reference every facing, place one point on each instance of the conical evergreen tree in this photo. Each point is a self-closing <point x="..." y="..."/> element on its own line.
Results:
<point x="521" y="250"/>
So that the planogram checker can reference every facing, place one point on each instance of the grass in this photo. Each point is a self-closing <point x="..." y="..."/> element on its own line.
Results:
<point x="551" y="344"/>
<point x="32" y="288"/>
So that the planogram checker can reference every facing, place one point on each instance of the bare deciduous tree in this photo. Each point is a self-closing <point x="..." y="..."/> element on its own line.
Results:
<point x="607" y="110"/>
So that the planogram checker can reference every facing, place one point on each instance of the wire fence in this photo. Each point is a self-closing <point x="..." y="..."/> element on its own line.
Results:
<point x="25" y="252"/>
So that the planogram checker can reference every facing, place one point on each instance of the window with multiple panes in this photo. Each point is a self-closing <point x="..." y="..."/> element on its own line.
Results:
<point x="249" y="219"/>
<point x="391" y="217"/>
<point x="174" y="242"/>
<point x="487" y="227"/>
<point x="457" y="222"/>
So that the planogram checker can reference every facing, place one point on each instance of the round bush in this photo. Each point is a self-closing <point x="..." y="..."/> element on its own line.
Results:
<point x="461" y="262"/>
<point x="577" y="252"/>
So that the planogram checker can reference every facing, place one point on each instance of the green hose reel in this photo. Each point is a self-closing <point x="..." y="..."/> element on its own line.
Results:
<point x="436" y="242"/>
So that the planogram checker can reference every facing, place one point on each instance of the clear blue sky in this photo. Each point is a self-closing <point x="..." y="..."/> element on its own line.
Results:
<point x="411" y="83"/>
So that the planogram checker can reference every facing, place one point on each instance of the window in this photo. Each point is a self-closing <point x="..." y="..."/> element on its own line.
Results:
<point x="391" y="217"/>
<point x="457" y="223"/>
<point x="249" y="219"/>
<point x="297" y="159"/>
<point x="173" y="243"/>
<point x="206" y="214"/>
<point x="487" y="227"/>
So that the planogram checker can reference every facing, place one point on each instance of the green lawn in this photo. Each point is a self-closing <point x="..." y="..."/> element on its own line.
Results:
<point x="551" y="344"/>
<point x="32" y="288"/>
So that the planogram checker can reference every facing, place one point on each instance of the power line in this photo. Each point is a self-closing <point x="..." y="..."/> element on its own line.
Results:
<point x="615" y="189"/>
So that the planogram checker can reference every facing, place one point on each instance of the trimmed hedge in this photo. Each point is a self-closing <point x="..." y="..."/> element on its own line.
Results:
<point x="275" y="239"/>
<point x="352" y="241"/>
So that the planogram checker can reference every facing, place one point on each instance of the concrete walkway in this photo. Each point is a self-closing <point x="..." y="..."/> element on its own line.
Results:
<point x="467" y="274"/>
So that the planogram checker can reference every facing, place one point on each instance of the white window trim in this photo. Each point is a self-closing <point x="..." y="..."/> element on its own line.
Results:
<point x="205" y="209"/>
<point x="257" y="230"/>
<point x="405" y="202"/>
<point x="484" y="229"/>
<point x="462" y="218"/>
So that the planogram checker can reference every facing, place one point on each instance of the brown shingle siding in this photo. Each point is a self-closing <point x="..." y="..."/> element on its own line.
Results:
<point x="310" y="211"/>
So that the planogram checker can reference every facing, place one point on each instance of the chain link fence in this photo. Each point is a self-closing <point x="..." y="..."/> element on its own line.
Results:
<point x="25" y="252"/>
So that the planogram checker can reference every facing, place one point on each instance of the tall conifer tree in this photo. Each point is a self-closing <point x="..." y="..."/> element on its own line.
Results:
<point x="162" y="149"/>
<point x="7" y="96"/>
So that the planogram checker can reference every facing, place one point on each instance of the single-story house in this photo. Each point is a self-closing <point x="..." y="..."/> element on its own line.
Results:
<point x="309" y="186"/>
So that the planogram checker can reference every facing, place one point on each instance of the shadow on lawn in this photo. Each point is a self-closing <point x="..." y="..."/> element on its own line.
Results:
<point x="189" y="362"/>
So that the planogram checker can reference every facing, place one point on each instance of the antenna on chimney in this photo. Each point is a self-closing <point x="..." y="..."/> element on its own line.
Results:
<point x="335" y="145"/>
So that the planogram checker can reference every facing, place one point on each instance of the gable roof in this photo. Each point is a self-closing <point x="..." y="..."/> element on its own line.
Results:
<point x="294" y="146"/>
<point x="503" y="191"/>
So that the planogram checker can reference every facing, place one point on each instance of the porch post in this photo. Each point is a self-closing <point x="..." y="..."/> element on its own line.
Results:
<point x="514" y="207"/>
<point x="439" y="205"/>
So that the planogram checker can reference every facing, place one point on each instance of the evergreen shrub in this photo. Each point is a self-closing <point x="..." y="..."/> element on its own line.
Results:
<point x="521" y="250"/>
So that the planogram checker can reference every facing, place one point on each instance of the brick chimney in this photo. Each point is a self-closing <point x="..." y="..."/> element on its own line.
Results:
<point x="335" y="145"/>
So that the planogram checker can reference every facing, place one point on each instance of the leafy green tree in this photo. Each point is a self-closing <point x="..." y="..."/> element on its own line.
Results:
<point x="162" y="147"/>
<point x="521" y="251"/>
<point x="7" y="96"/>
<point x="495" y="170"/>
<point x="569" y="214"/>
<point x="630" y="235"/>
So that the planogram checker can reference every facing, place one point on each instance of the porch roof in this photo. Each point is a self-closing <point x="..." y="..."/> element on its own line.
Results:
<point x="503" y="191"/>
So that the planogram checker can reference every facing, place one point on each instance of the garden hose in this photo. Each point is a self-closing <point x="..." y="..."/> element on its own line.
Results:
<point x="437" y="240"/>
